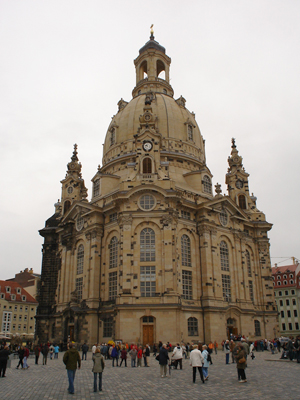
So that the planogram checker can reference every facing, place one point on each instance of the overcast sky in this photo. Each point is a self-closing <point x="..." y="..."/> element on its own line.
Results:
<point x="65" y="64"/>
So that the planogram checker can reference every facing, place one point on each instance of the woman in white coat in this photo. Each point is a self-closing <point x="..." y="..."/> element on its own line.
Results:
<point x="196" y="361"/>
<point x="206" y="362"/>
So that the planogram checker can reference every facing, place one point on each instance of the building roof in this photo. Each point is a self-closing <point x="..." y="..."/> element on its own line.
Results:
<point x="284" y="268"/>
<point x="13" y="290"/>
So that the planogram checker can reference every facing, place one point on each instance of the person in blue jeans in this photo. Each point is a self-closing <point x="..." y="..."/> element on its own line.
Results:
<point x="98" y="368"/>
<point x="227" y="351"/>
<point x="71" y="359"/>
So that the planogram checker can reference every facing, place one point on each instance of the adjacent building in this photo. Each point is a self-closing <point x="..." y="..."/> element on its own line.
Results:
<point x="286" y="280"/>
<point x="155" y="254"/>
<point x="29" y="280"/>
<point x="17" y="310"/>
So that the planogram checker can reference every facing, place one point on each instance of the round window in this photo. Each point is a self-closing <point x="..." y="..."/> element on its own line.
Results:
<point x="79" y="223"/>
<point x="147" y="202"/>
<point x="70" y="189"/>
<point x="224" y="218"/>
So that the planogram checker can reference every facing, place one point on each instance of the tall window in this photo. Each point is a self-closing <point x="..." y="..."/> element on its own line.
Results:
<point x="148" y="281"/>
<point x="147" y="245"/>
<point x="185" y="251"/>
<point x="190" y="132"/>
<point x="226" y="287"/>
<point x="192" y="326"/>
<point x="67" y="205"/>
<point x="79" y="285"/>
<point x="112" y="285"/>
<point x="96" y="189"/>
<point x="248" y="262"/>
<point x="113" y="252"/>
<point x="224" y="256"/>
<point x="112" y="136"/>
<point x="107" y="327"/>
<point x="242" y="202"/>
<point x="187" y="285"/>
<point x="206" y="184"/>
<point x="80" y="258"/>
<point x="251" y="293"/>
<point x="147" y="165"/>
<point x="6" y="320"/>
<point x="257" y="327"/>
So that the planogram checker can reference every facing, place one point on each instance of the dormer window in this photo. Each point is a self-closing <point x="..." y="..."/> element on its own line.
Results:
<point x="18" y="290"/>
<point x="2" y="295"/>
<point x="23" y="298"/>
<point x="96" y="189"/>
<point x="242" y="202"/>
<point x="13" y="297"/>
<point x="7" y="289"/>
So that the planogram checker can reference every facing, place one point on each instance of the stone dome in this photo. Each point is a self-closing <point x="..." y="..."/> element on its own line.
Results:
<point x="173" y="122"/>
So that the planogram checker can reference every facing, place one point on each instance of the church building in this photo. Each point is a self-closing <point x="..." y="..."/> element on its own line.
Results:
<point x="156" y="254"/>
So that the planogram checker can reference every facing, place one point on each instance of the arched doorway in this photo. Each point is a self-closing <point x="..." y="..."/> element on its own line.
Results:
<point x="231" y="327"/>
<point x="148" y="330"/>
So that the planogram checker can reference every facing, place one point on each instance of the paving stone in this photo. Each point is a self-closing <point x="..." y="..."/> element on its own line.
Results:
<point x="266" y="379"/>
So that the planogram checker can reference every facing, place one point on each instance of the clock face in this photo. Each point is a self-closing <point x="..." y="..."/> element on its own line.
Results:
<point x="239" y="184"/>
<point x="147" y="146"/>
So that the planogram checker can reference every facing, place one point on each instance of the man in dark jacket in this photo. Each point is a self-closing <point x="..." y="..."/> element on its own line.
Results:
<point x="45" y="351"/>
<point x="163" y="360"/>
<point x="84" y="349"/>
<point x="71" y="358"/>
<point x="4" y="354"/>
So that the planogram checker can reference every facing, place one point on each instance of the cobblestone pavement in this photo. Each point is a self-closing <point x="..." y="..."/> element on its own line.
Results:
<point x="267" y="379"/>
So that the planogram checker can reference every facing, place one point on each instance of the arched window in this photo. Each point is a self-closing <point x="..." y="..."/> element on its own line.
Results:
<point x="160" y="69"/>
<point x="192" y="326"/>
<point x="143" y="70"/>
<point x="113" y="252"/>
<point x="147" y="165"/>
<point x="248" y="262"/>
<point x="242" y="202"/>
<point x="147" y="245"/>
<point x="80" y="258"/>
<point x="257" y="327"/>
<point x="185" y="251"/>
<point x="206" y="184"/>
<point x="67" y="206"/>
<point x="224" y="256"/>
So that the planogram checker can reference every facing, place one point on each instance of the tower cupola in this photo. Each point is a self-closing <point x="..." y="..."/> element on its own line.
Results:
<point x="152" y="69"/>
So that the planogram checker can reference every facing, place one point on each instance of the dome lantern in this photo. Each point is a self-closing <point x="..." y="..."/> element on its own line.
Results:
<point x="151" y="62"/>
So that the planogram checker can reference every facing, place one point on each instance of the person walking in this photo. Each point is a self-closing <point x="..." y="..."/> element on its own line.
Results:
<point x="241" y="363"/>
<point x="177" y="356"/>
<point x="227" y="351"/>
<point x="56" y="351"/>
<point x="84" y="349"/>
<point x="205" y="355"/>
<point x="4" y="354"/>
<point x="26" y="355"/>
<point x="37" y="351"/>
<point x="163" y="360"/>
<point x="45" y="351"/>
<point x="216" y="346"/>
<point x="98" y="368"/>
<point x="21" y="356"/>
<point x="133" y="354"/>
<point x="115" y="356"/>
<point x="196" y="361"/>
<point x="123" y="356"/>
<point x="71" y="359"/>
<point x="139" y="356"/>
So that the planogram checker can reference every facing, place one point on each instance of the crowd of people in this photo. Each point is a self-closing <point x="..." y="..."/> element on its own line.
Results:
<point x="236" y="350"/>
